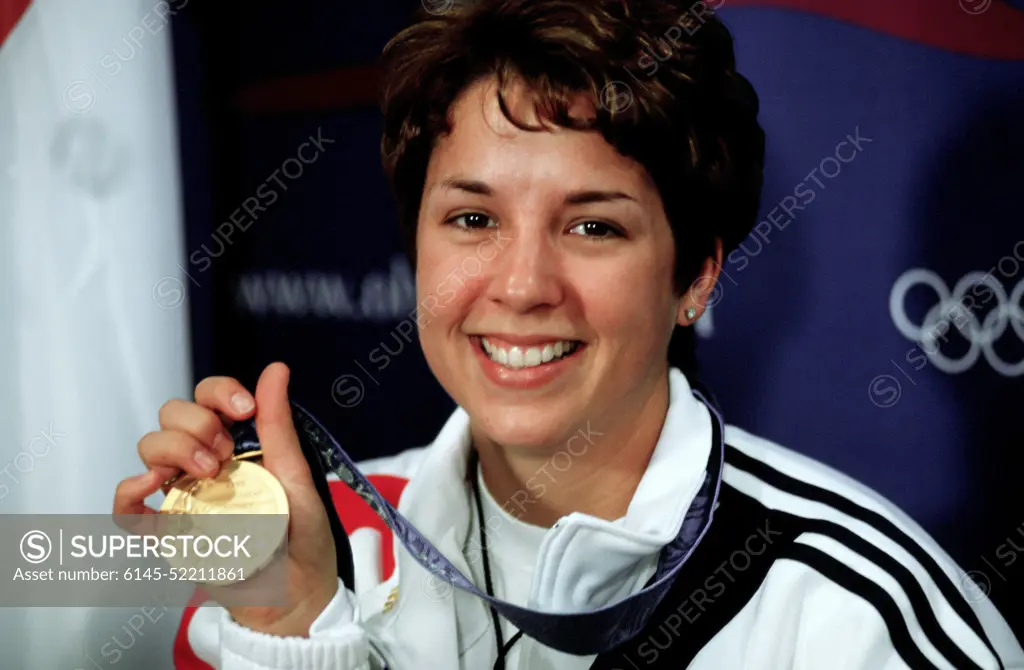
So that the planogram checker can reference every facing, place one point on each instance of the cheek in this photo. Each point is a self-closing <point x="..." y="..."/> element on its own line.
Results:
<point x="447" y="280"/>
<point x="630" y="301"/>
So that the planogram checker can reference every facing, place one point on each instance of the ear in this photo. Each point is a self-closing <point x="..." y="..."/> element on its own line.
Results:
<point x="700" y="291"/>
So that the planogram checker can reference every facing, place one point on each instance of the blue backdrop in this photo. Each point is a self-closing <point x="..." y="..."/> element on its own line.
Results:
<point x="873" y="319"/>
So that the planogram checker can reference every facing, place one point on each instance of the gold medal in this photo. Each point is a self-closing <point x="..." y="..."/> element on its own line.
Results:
<point x="241" y="487"/>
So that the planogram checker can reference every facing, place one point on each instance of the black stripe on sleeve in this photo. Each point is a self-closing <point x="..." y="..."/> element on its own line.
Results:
<point x="861" y="586"/>
<point x="911" y="587"/>
<point x="783" y="482"/>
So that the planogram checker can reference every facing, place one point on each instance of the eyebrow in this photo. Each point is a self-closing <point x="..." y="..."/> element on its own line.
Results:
<point x="573" y="198"/>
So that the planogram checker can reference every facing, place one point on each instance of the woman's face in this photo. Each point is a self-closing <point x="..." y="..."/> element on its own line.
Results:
<point x="544" y="275"/>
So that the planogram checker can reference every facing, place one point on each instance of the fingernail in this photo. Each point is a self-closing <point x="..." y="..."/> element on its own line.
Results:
<point x="241" y="402"/>
<point x="141" y="478"/>
<point x="204" y="460"/>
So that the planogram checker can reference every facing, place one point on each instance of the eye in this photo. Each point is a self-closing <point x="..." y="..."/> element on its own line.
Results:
<point x="471" y="221"/>
<point x="598" y="229"/>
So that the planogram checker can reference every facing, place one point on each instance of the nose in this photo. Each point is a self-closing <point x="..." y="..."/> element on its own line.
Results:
<point x="527" y="273"/>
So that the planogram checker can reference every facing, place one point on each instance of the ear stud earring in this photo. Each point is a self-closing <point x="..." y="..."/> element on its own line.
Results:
<point x="691" y="312"/>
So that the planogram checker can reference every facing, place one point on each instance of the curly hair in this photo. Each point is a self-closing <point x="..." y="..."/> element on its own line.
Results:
<point x="660" y="75"/>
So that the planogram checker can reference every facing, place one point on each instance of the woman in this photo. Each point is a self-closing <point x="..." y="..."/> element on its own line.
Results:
<point x="569" y="176"/>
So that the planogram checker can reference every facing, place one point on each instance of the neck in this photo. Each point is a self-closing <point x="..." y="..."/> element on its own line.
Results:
<point x="596" y="474"/>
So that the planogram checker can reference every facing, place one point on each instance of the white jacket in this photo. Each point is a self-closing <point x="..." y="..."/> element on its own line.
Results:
<point x="848" y="582"/>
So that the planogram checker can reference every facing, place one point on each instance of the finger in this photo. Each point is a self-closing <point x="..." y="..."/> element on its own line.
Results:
<point x="199" y="422"/>
<point x="130" y="495"/>
<point x="130" y="510"/>
<point x="166" y="475"/>
<point x="308" y="527"/>
<point x="282" y="454"/>
<point x="174" y="449"/>
<point x="226" y="395"/>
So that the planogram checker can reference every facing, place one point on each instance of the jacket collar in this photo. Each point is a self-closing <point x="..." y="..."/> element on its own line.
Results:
<point x="436" y="501"/>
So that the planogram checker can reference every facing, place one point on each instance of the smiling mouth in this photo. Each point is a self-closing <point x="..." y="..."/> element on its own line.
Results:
<point x="521" y="357"/>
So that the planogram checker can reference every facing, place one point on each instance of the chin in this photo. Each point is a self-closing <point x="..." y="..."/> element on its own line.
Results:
<point x="523" y="427"/>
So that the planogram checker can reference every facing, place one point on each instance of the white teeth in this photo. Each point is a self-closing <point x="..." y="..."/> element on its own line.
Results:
<point x="528" y="357"/>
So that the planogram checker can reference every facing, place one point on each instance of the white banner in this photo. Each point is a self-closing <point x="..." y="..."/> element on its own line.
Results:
<point x="93" y="323"/>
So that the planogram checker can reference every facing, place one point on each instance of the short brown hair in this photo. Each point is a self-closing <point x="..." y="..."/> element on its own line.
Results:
<point x="660" y="73"/>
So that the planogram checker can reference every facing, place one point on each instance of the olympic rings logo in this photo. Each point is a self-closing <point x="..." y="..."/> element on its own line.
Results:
<point x="973" y="290"/>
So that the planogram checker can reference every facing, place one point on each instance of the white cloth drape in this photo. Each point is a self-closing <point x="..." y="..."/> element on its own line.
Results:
<point x="93" y="321"/>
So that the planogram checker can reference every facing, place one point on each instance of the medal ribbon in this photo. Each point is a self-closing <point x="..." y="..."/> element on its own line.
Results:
<point x="583" y="633"/>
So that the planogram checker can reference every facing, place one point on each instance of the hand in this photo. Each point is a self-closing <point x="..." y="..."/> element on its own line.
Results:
<point x="194" y="439"/>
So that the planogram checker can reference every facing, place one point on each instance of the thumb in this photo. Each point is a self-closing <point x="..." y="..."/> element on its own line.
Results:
<point x="282" y="454"/>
